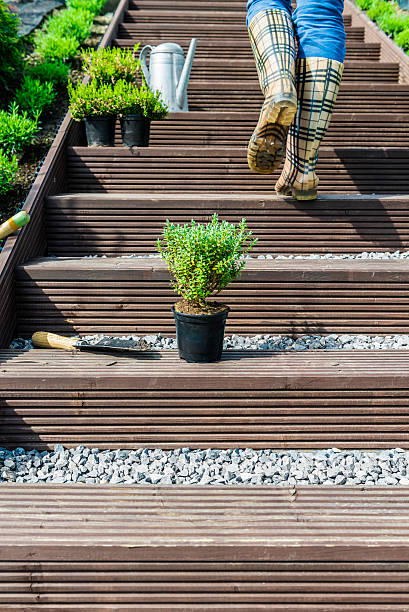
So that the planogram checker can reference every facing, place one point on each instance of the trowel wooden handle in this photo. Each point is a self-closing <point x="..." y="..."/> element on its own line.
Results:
<point x="47" y="340"/>
<point x="18" y="220"/>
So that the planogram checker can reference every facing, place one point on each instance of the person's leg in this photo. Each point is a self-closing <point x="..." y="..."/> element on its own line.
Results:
<point x="321" y="52"/>
<point x="272" y="38"/>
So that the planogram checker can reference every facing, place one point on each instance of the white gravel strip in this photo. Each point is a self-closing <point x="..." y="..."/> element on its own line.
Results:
<point x="260" y="342"/>
<point x="205" y="467"/>
<point x="364" y="255"/>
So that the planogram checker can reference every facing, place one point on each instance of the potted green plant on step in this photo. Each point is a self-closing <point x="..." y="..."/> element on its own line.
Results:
<point x="137" y="106"/>
<point x="95" y="104"/>
<point x="203" y="260"/>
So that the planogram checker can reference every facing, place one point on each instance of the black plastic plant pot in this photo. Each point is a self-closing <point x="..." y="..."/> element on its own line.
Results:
<point x="100" y="131"/>
<point x="200" y="337"/>
<point x="135" y="130"/>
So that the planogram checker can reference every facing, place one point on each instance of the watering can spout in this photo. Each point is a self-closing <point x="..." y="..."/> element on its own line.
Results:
<point x="184" y="77"/>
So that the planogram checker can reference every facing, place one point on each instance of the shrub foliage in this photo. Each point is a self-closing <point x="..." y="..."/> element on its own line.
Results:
<point x="35" y="96"/>
<point x="204" y="259"/>
<point x="112" y="64"/>
<point x="8" y="172"/>
<point x="11" y="58"/>
<point x="92" y="99"/>
<point x="388" y="16"/>
<point x="55" y="72"/>
<point x="139" y="100"/>
<point x="17" y="130"/>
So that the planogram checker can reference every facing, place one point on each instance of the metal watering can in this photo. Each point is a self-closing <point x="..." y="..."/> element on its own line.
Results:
<point x="169" y="72"/>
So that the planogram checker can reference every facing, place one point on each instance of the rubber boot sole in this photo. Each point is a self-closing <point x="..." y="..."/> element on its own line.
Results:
<point x="266" y="149"/>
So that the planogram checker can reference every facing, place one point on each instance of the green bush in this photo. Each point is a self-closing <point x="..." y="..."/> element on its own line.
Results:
<point x="140" y="101"/>
<point x="92" y="6"/>
<point x="393" y="24"/>
<point x="112" y="64"/>
<point x="54" y="72"/>
<point x="8" y="172"/>
<point x="76" y="23"/>
<point x="92" y="100"/>
<point x="17" y="130"/>
<point x="389" y="18"/>
<point x="35" y="96"/>
<point x="204" y="259"/>
<point x="54" y="47"/>
<point x="11" y="58"/>
<point x="402" y="39"/>
<point x="364" y="5"/>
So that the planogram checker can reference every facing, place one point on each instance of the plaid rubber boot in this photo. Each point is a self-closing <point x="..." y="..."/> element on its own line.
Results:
<point x="318" y="81"/>
<point x="272" y="39"/>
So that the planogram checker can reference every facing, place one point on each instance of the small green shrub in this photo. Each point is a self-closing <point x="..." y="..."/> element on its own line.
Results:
<point x="364" y="5"/>
<point x="204" y="259"/>
<point x="11" y="58"/>
<point x="8" y="172"/>
<point x="402" y="39"/>
<point x="92" y="100"/>
<point x="393" y="24"/>
<point x="54" y="47"/>
<point x="92" y="6"/>
<point x="139" y="100"/>
<point x="35" y="96"/>
<point x="17" y="130"/>
<point x="76" y="23"/>
<point x="112" y="64"/>
<point x="55" y="72"/>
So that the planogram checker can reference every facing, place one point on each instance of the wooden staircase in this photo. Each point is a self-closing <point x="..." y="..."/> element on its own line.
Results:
<point x="326" y="549"/>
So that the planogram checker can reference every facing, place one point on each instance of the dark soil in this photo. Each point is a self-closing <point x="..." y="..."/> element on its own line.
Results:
<point x="188" y="308"/>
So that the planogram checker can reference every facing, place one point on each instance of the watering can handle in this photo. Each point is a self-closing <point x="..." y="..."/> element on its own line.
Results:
<point x="142" y="58"/>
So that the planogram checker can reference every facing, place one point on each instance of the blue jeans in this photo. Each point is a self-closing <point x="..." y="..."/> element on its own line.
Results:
<point x="319" y="26"/>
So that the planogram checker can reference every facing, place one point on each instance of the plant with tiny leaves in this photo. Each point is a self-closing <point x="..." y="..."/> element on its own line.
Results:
<point x="34" y="96"/>
<point x="91" y="100"/>
<point x="133" y="100"/>
<point x="54" y="72"/>
<point x="8" y="172"/>
<point x="204" y="259"/>
<point x="17" y="129"/>
<point x="112" y="64"/>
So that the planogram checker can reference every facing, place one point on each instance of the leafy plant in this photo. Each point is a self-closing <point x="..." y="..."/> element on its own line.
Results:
<point x="364" y="5"/>
<point x="92" y="100"/>
<point x="141" y="101"/>
<point x="112" y="64"/>
<point x="11" y="58"/>
<point x="402" y="39"/>
<point x="54" y="47"/>
<point x="393" y="24"/>
<point x="55" y="72"/>
<point x="389" y="18"/>
<point x="76" y="23"/>
<point x="17" y="130"/>
<point x="204" y="259"/>
<point x="92" y="6"/>
<point x="379" y="9"/>
<point x="8" y="172"/>
<point x="35" y="96"/>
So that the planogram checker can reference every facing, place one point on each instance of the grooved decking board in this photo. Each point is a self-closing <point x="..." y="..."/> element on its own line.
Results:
<point x="271" y="296"/>
<point x="308" y="400"/>
<point x="121" y="224"/>
<point x="221" y="69"/>
<point x="218" y="170"/>
<point x="356" y="50"/>
<point x="214" y="31"/>
<point x="230" y="129"/>
<point x="204" y="548"/>
<point x="376" y="98"/>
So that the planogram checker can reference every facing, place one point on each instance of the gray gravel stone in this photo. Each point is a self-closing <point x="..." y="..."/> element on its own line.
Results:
<point x="206" y="466"/>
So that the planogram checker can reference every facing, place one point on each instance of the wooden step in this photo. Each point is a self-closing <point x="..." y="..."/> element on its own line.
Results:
<point x="225" y="170"/>
<point x="197" y="128"/>
<point x="242" y="50"/>
<point x="73" y="547"/>
<point x="352" y="97"/>
<point x="122" y="224"/>
<point x="295" y="297"/>
<point x="343" y="399"/>
<point x="171" y="31"/>
<point x="190" y="18"/>
<point x="228" y="70"/>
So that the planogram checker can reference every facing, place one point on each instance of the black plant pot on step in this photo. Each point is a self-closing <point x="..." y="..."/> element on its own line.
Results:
<point x="100" y="131"/>
<point x="200" y="337"/>
<point x="135" y="130"/>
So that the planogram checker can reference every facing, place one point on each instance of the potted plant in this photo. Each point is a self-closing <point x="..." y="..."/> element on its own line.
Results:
<point x="137" y="106"/>
<point x="203" y="260"/>
<point x="95" y="104"/>
<point x="112" y="64"/>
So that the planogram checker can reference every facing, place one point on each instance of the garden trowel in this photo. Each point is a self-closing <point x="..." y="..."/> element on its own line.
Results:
<point x="105" y="345"/>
